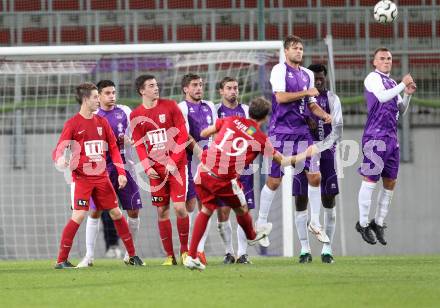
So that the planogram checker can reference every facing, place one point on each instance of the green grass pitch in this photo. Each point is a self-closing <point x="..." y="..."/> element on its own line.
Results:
<point x="399" y="281"/>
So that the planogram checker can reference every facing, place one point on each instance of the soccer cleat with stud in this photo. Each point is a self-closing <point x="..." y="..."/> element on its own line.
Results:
<point x="305" y="258"/>
<point x="228" y="259"/>
<point x="262" y="232"/>
<point x="135" y="261"/>
<point x="366" y="233"/>
<point x="193" y="264"/>
<point x="126" y="259"/>
<point x="64" y="265"/>
<point x="264" y="242"/>
<point x="327" y="258"/>
<point x="319" y="233"/>
<point x="85" y="262"/>
<point x="170" y="260"/>
<point x="183" y="256"/>
<point x="202" y="257"/>
<point x="379" y="231"/>
<point x="244" y="259"/>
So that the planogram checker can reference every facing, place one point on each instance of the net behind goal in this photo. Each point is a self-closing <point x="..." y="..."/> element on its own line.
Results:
<point x="36" y="98"/>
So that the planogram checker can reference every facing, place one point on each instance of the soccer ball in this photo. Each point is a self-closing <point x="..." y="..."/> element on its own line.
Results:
<point x="385" y="11"/>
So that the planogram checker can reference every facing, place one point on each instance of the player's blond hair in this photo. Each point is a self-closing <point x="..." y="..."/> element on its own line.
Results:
<point x="84" y="90"/>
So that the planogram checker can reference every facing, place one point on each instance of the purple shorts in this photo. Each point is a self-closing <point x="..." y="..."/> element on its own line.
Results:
<point x="191" y="192"/>
<point x="248" y="188"/>
<point x="129" y="196"/>
<point x="288" y="145"/>
<point x="381" y="158"/>
<point x="329" y="179"/>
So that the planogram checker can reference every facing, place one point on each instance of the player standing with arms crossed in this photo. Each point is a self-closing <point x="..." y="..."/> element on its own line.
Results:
<point x="90" y="137"/>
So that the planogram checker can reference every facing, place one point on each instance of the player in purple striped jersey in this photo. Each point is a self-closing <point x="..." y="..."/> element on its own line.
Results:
<point x="293" y="92"/>
<point x="229" y="106"/>
<point x="379" y="142"/>
<point x="326" y="135"/>
<point x="118" y="117"/>
<point x="198" y="114"/>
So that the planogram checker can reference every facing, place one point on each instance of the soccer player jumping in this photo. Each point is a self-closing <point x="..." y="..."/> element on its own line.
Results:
<point x="379" y="142"/>
<point x="90" y="137"/>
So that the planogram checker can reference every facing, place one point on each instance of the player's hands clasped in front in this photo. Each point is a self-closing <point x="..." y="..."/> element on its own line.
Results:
<point x="62" y="163"/>
<point x="327" y="119"/>
<point x="312" y="92"/>
<point x="171" y="168"/>
<point x="122" y="181"/>
<point x="152" y="174"/>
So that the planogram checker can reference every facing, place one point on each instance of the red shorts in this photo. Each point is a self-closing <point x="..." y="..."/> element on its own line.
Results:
<point x="102" y="192"/>
<point x="169" y="186"/>
<point x="214" y="192"/>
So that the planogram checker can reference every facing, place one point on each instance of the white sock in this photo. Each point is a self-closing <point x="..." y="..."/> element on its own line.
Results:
<point x="225" y="230"/>
<point x="133" y="225"/>
<point x="201" y="246"/>
<point x="92" y="229"/>
<point x="315" y="204"/>
<point x="301" y="227"/>
<point x="329" y="227"/>
<point x="364" y="200"/>
<point x="383" y="203"/>
<point x="242" y="241"/>
<point x="266" y="199"/>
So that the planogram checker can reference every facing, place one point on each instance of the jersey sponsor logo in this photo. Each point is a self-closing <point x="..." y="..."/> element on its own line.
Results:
<point x="82" y="202"/>
<point x="99" y="128"/>
<point x="157" y="138"/>
<point x="209" y="119"/>
<point x="94" y="150"/>
<point x="289" y="75"/>
<point x="156" y="199"/>
<point x="120" y="127"/>
<point x="191" y="109"/>
<point x="162" y="118"/>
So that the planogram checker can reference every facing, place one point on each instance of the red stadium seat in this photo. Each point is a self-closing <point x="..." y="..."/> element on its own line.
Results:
<point x="304" y="30"/>
<point x="225" y="32"/>
<point x="216" y="4"/>
<point x="103" y="4"/>
<point x="181" y="4"/>
<point x="5" y="37"/>
<point x="332" y="2"/>
<point x="74" y="34"/>
<point x="368" y="2"/>
<point x="254" y="3"/>
<point x="189" y="33"/>
<point x="27" y="5"/>
<point x="419" y="29"/>
<point x="378" y="30"/>
<point x="295" y="3"/>
<point x="142" y="5"/>
<point x="62" y="5"/>
<point x="340" y="30"/>
<point x="113" y="34"/>
<point x="272" y="32"/>
<point x="150" y="34"/>
<point x="35" y="35"/>
<point x="410" y="2"/>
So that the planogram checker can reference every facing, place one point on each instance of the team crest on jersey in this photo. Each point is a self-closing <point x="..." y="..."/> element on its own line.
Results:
<point x="119" y="116"/>
<point x="251" y="130"/>
<point x="99" y="128"/>
<point x="162" y="118"/>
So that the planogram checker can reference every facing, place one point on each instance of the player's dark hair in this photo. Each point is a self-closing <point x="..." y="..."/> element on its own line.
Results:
<point x="139" y="82"/>
<point x="379" y="50"/>
<point x="186" y="79"/>
<point x="318" y="68"/>
<point x="104" y="84"/>
<point x="291" y="40"/>
<point x="259" y="108"/>
<point x="224" y="81"/>
<point x="84" y="90"/>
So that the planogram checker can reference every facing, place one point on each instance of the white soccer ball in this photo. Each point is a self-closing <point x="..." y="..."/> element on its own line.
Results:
<point x="385" y="11"/>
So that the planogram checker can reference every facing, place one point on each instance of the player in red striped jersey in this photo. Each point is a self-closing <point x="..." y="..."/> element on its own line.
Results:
<point x="90" y="137"/>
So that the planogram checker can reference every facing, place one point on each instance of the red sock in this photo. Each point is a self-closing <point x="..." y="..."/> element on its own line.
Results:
<point x="166" y="235"/>
<point x="245" y="221"/>
<point x="198" y="231"/>
<point x="67" y="240"/>
<point x="123" y="231"/>
<point x="183" y="229"/>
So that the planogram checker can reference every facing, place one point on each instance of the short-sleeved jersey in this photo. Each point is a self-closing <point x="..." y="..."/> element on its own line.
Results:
<point x="240" y="111"/>
<point x="289" y="118"/>
<point x="119" y="120"/>
<point x="237" y="143"/>
<point x="382" y="117"/>
<point x="198" y="116"/>
<point x="158" y="129"/>
<point x="89" y="141"/>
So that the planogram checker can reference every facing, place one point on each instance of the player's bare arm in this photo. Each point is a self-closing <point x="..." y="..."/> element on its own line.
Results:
<point x="288" y="97"/>
<point x="209" y="131"/>
<point x="317" y="111"/>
